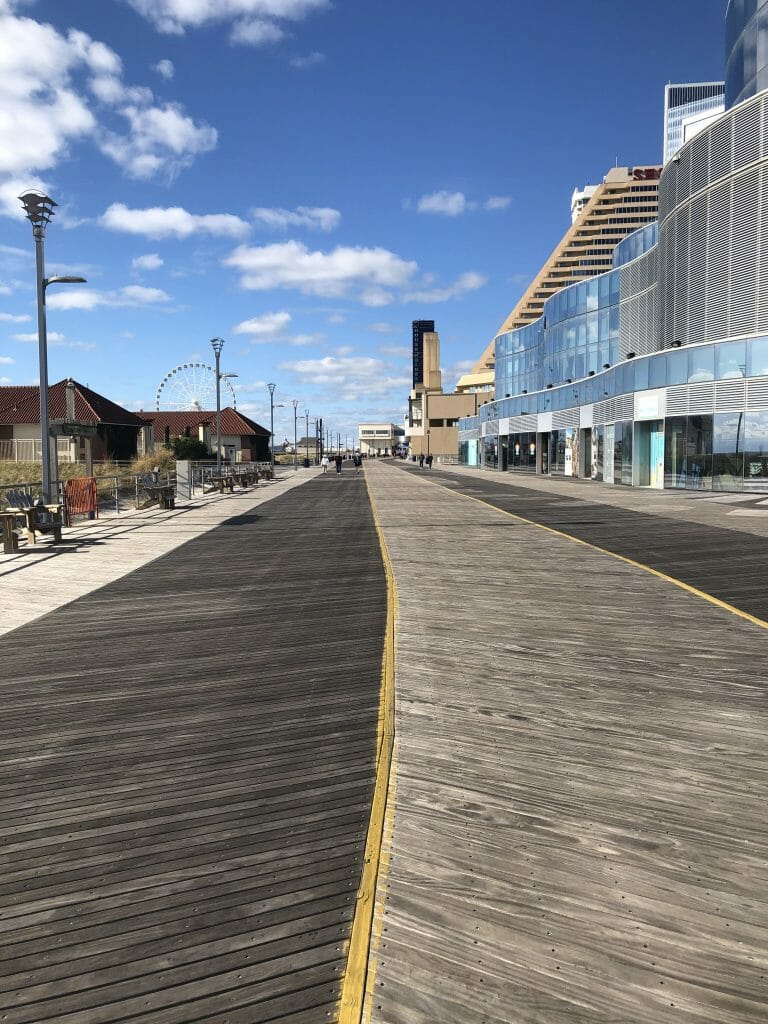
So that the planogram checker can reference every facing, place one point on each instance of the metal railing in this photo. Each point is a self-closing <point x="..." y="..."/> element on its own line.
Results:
<point x="29" y="450"/>
<point x="120" y="492"/>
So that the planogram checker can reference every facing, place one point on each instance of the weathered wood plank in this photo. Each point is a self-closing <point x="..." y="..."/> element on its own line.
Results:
<point x="580" y="829"/>
<point x="186" y="764"/>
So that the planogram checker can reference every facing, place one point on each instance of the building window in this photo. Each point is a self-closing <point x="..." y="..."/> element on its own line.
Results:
<point x="437" y="423"/>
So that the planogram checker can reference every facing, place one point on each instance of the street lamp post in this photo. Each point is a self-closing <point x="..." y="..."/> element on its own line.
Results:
<point x="271" y="388"/>
<point x="295" y="404"/>
<point x="39" y="209"/>
<point x="217" y="344"/>
<point x="306" y="436"/>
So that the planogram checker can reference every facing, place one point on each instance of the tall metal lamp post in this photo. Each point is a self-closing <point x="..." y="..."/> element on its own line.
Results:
<point x="295" y="404"/>
<point x="306" y="436"/>
<point x="217" y="344"/>
<point x="271" y="388"/>
<point x="39" y="209"/>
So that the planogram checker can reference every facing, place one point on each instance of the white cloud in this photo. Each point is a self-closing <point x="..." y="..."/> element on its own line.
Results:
<point x="6" y="361"/>
<point x="447" y="204"/>
<point x="401" y="351"/>
<point x="349" y="378"/>
<point x="174" y="17"/>
<point x="87" y="299"/>
<point x="316" y="218"/>
<point x="380" y="328"/>
<point x="463" y="284"/>
<point x="265" y="327"/>
<point x="497" y="203"/>
<point x="162" y="140"/>
<point x="151" y="261"/>
<point x="165" y="69"/>
<point x="257" y="32"/>
<point x="56" y="89"/>
<point x="335" y="273"/>
<point x="52" y="336"/>
<point x="375" y="297"/>
<point x="311" y="60"/>
<point x="304" y="340"/>
<point x="6" y="380"/>
<point x="171" y="222"/>
<point x="14" y="318"/>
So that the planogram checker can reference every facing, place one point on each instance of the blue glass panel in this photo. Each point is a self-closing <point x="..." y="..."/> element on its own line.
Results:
<point x="677" y="367"/>
<point x="730" y="360"/>
<point x="757" y="357"/>
<point x="657" y="372"/>
<point x="641" y="374"/>
<point x="701" y="364"/>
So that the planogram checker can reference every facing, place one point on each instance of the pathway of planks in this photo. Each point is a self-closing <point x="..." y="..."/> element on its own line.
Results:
<point x="580" y="783"/>
<point x="187" y="763"/>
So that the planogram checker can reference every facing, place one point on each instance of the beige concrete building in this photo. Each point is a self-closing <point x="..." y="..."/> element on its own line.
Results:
<point x="627" y="198"/>
<point x="379" y="438"/>
<point x="433" y="416"/>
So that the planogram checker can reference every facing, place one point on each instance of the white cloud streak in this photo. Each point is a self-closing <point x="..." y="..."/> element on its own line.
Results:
<point x="88" y="299"/>
<point x="152" y="261"/>
<point x="254" y="22"/>
<point x="171" y="222"/>
<point x="266" y="327"/>
<point x="331" y="274"/>
<point x="463" y="285"/>
<point x="446" y="204"/>
<point x="316" y="218"/>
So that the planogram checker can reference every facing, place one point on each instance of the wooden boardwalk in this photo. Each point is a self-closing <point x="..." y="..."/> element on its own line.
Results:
<point x="580" y="784"/>
<point x="186" y="765"/>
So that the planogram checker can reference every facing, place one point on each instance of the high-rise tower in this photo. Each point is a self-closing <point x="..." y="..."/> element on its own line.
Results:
<point x="420" y="328"/>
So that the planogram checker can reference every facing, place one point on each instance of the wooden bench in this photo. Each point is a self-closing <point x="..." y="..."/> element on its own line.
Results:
<point x="36" y="517"/>
<point x="162" y="495"/>
<point x="10" y="537"/>
<point x="222" y="483"/>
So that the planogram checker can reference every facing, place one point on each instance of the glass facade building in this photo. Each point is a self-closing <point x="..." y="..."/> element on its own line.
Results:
<point x="685" y="106"/>
<point x="655" y="373"/>
<point x="746" y="50"/>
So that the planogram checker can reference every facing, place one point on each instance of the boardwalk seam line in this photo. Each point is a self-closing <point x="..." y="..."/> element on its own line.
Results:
<point x="613" y="554"/>
<point x="354" y="982"/>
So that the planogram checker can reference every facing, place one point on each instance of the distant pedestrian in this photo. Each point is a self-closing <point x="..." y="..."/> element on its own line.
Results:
<point x="357" y="461"/>
<point x="421" y="462"/>
<point x="429" y="462"/>
<point x="324" y="463"/>
<point x="339" y="462"/>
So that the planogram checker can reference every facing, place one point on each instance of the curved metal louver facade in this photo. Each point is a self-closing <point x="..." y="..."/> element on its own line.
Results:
<point x="713" y="231"/>
<point x="639" y="307"/>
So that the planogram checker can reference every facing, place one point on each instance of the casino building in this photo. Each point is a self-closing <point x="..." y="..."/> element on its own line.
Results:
<point x="655" y="373"/>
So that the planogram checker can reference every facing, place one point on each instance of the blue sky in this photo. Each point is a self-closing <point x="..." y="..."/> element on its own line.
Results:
<point x="305" y="177"/>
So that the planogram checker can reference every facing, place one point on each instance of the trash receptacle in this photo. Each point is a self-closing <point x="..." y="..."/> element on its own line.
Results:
<point x="305" y="463"/>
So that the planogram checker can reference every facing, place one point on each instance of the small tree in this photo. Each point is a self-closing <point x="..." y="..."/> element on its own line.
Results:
<point x="188" y="448"/>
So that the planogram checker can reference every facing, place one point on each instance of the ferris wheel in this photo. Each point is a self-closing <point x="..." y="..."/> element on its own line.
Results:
<point x="191" y="387"/>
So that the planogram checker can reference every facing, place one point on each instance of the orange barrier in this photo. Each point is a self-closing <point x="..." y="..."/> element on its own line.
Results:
<point x="80" y="498"/>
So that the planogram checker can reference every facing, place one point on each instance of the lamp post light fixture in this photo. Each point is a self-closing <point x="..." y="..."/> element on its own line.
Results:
<point x="39" y="210"/>
<point x="295" y="404"/>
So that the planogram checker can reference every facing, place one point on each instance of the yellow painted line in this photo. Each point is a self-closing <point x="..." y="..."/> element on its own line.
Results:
<point x="621" y="558"/>
<point x="354" y="983"/>
<point x="378" y="920"/>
